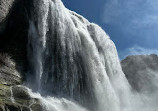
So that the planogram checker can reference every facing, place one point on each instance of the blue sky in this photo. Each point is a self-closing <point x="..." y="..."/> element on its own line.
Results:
<point x="131" y="24"/>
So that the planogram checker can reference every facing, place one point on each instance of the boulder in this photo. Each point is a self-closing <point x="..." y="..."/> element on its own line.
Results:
<point x="20" y="92"/>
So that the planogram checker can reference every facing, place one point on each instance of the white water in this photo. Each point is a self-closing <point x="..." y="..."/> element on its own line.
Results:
<point x="11" y="95"/>
<point x="56" y="104"/>
<point x="75" y="64"/>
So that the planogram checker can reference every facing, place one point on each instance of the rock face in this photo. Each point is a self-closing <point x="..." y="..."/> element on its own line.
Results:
<point x="142" y="72"/>
<point x="8" y="73"/>
<point x="13" y="37"/>
<point x="17" y="98"/>
<point x="13" y="33"/>
<point x="5" y="6"/>
<point x="12" y="97"/>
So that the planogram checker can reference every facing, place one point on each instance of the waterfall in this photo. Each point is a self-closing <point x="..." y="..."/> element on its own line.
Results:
<point x="11" y="95"/>
<point x="73" y="61"/>
<point x="55" y="104"/>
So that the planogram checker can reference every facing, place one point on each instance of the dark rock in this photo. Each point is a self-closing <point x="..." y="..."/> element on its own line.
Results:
<point x="13" y="56"/>
<point x="37" y="107"/>
<point x="20" y="93"/>
<point x="13" y="37"/>
<point x="8" y="73"/>
<point x="2" y="108"/>
<point x="5" y="6"/>
<point x="25" y="109"/>
<point x="17" y="98"/>
<point x="12" y="108"/>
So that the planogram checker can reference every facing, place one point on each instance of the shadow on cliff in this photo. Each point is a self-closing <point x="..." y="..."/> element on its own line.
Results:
<point x="14" y="34"/>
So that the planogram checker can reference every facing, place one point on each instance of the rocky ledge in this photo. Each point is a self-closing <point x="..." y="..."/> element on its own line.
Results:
<point x="17" y="98"/>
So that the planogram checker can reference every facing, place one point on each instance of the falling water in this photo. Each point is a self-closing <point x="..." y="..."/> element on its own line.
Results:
<point x="74" y="59"/>
<point x="55" y="104"/>
<point x="11" y="95"/>
<point x="73" y="63"/>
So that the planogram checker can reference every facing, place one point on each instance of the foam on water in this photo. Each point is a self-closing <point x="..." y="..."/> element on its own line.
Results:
<point x="56" y="104"/>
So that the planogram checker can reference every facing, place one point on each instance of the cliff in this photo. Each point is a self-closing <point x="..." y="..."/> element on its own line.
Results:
<point x="142" y="72"/>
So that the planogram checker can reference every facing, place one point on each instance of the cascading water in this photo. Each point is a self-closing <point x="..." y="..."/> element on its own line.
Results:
<point x="11" y="95"/>
<point x="74" y="62"/>
<point x="74" y="59"/>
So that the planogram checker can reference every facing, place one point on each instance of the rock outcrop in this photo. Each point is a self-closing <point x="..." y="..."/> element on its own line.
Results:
<point x="8" y="73"/>
<point x="17" y="98"/>
<point x="13" y="60"/>
<point x="12" y="96"/>
<point x="13" y="32"/>
<point x="5" y="6"/>
<point x="142" y="72"/>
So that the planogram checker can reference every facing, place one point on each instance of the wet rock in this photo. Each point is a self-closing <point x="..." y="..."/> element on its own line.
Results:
<point x="37" y="107"/>
<point x="20" y="93"/>
<point x="13" y="35"/>
<point x="17" y="98"/>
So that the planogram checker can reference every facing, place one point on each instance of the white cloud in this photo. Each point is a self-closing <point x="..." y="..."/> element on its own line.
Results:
<point x="136" y="12"/>
<point x="137" y="50"/>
